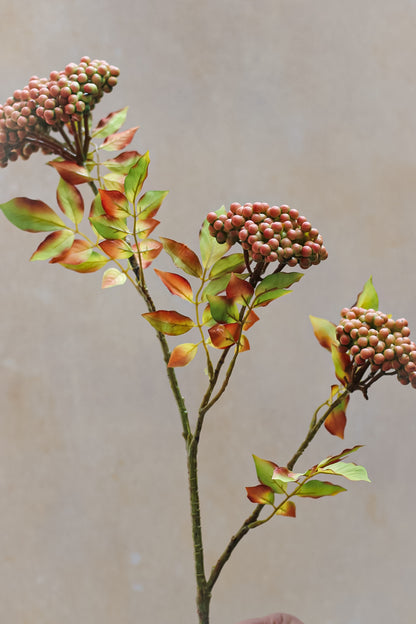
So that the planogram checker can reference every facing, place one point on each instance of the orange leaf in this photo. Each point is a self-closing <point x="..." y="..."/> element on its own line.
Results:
<point x="239" y="290"/>
<point x="114" y="203"/>
<point x="70" y="171"/>
<point x="182" y="354"/>
<point x="224" y="335"/>
<point x="260" y="494"/>
<point x="176" y="284"/>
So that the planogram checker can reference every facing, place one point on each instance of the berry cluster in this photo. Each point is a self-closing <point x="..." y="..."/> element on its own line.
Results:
<point x="45" y="104"/>
<point x="269" y="233"/>
<point x="371" y="336"/>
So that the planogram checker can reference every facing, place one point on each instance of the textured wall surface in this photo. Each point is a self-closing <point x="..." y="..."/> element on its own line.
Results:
<point x="287" y="101"/>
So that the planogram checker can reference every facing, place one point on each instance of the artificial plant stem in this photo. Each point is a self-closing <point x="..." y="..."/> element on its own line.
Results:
<point x="234" y="541"/>
<point x="203" y="596"/>
<point x="314" y="430"/>
<point x="249" y="523"/>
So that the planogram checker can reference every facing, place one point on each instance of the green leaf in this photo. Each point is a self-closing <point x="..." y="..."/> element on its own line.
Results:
<point x="324" y="331"/>
<point x="122" y="164"/>
<point x="110" y="124"/>
<point x="113" y="277"/>
<point x="94" y="263"/>
<point x="32" y="215"/>
<point x="234" y="263"/>
<point x="216" y="286"/>
<point x="316" y="489"/>
<point x="273" y="286"/>
<point x="211" y="251"/>
<point x="260" y="494"/>
<point x="136" y="177"/>
<point x="264" y="470"/>
<point x="348" y="470"/>
<point x="149" y="203"/>
<point x="183" y="257"/>
<point x="70" y="201"/>
<point x="118" y="140"/>
<point x="109" y="227"/>
<point x="54" y="244"/>
<point x="114" y="181"/>
<point x="332" y="459"/>
<point x="169" y="322"/>
<point x="368" y="297"/>
<point x="223" y="310"/>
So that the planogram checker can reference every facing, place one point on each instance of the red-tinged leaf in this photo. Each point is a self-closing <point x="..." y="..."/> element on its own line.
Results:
<point x="94" y="263"/>
<point x="71" y="172"/>
<point x="109" y="227"/>
<point x="115" y="204"/>
<point x="96" y="207"/>
<point x="116" y="249"/>
<point x="110" y="124"/>
<point x="78" y="253"/>
<point x="337" y="419"/>
<point x="149" y="249"/>
<point x="224" y="336"/>
<point x="264" y="470"/>
<point x="332" y="459"/>
<point x="211" y="251"/>
<point x="32" y="215"/>
<point x="207" y="319"/>
<point x="145" y="228"/>
<point x="114" y="181"/>
<point x="281" y="473"/>
<point x="244" y="344"/>
<point x="234" y="263"/>
<point x="54" y="244"/>
<point x="70" y="201"/>
<point x="260" y="494"/>
<point x="183" y="257"/>
<point x="239" y="290"/>
<point x="122" y="164"/>
<point x="113" y="277"/>
<point x="250" y="320"/>
<point x="176" y="284"/>
<point x="136" y="177"/>
<point x="118" y="140"/>
<point x="223" y="309"/>
<point x="182" y="355"/>
<point x="368" y="297"/>
<point x="343" y="365"/>
<point x="324" y="331"/>
<point x="216" y="286"/>
<point x="287" y="509"/>
<point x="149" y="203"/>
<point x="169" y="322"/>
<point x="316" y="489"/>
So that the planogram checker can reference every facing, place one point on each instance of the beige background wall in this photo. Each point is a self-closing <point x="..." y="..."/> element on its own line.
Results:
<point x="300" y="102"/>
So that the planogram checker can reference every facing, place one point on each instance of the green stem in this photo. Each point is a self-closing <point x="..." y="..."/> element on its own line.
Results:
<point x="313" y="430"/>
